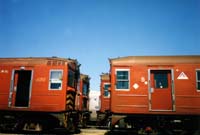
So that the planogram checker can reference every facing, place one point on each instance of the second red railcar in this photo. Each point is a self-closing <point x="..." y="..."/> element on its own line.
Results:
<point x="83" y="99"/>
<point x="155" y="90"/>
<point x="104" y="99"/>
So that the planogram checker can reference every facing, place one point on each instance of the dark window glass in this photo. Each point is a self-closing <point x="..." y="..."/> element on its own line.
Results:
<point x="122" y="75"/>
<point x="122" y="80"/>
<point x="198" y="75"/>
<point x="55" y="85"/>
<point x="198" y="85"/>
<point x="198" y="80"/>
<point x="122" y="85"/>
<point x="85" y="89"/>
<point x="106" y="91"/>
<point x="71" y="78"/>
<point x="161" y="80"/>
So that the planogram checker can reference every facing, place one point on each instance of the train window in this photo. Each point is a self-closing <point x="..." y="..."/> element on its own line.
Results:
<point x="85" y="89"/>
<point x="106" y="90"/>
<point x="198" y="79"/>
<point x="71" y="78"/>
<point x="161" y="80"/>
<point x="122" y="79"/>
<point x="55" y="79"/>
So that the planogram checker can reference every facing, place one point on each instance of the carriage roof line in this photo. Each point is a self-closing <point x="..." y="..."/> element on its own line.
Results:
<point x="153" y="60"/>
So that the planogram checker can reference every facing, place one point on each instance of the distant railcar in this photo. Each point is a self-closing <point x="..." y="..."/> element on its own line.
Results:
<point x="155" y="91"/>
<point x="38" y="93"/>
<point x="83" y="99"/>
<point x="104" y="98"/>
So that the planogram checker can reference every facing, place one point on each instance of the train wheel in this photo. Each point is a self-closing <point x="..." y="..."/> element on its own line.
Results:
<point x="84" y="121"/>
<point x="122" y="123"/>
<point x="65" y="120"/>
<point x="108" y="124"/>
<point x="69" y="121"/>
<point x="32" y="126"/>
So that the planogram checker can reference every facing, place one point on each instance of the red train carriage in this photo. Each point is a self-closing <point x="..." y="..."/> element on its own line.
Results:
<point x="104" y="112"/>
<point x="38" y="93"/>
<point x="156" y="91"/>
<point x="83" y="99"/>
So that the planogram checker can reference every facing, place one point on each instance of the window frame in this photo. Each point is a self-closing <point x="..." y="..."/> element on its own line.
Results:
<point x="197" y="81"/>
<point x="107" y="90"/>
<point x="53" y="70"/>
<point x="124" y="69"/>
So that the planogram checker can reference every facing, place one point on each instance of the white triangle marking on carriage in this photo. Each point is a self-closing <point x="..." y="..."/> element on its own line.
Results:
<point x="182" y="76"/>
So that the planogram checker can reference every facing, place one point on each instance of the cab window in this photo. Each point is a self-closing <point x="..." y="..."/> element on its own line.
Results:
<point x="55" y="80"/>
<point x="122" y="79"/>
<point x="71" y="78"/>
<point x="106" y="90"/>
<point x="198" y="80"/>
<point x="85" y="89"/>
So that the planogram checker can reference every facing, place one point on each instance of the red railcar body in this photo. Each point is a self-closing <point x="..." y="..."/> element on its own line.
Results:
<point x="35" y="84"/>
<point x="38" y="85"/>
<point x="84" y="89"/>
<point x="83" y="99"/>
<point x="105" y="93"/>
<point x="155" y="85"/>
<point x="104" y="100"/>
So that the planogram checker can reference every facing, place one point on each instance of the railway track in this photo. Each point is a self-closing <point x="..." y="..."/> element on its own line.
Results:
<point x="93" y="130"/>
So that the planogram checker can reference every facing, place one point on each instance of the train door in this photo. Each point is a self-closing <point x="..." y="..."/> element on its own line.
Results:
<point x="21" y="88"/>
<point x="161" y="90"/>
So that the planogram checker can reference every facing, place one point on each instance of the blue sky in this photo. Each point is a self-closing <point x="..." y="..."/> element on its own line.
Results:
<point x="92" y="31"/>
